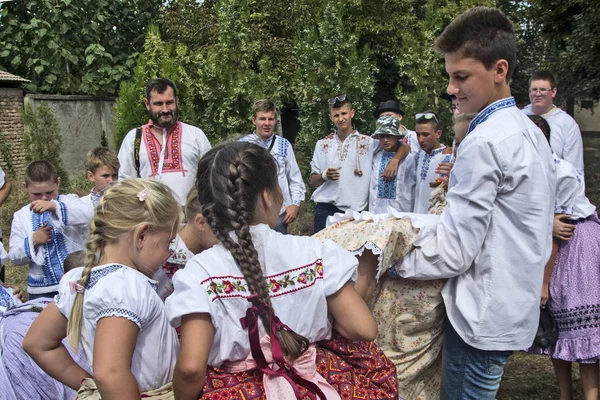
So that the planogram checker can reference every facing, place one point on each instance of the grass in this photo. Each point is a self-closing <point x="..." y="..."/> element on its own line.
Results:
<point x="526" y="377"/>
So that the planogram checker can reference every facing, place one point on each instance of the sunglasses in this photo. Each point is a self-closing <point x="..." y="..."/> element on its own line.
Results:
<point x="426" y="116"/>
<point x="336" y="99"/>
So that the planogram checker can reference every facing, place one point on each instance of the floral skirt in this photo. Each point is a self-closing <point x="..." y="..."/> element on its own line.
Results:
<point x="356" y="370"/>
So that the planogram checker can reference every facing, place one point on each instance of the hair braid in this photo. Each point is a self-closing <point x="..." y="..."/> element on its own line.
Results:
<point x="233" y="178"/>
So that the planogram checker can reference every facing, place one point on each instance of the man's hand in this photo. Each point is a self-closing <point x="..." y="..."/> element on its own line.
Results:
<point x="333" y="174"/>
<point x="41" y="206"/>
<point x="444" y="168"/>
<point x="562" y="230"/>
<point x="42" y="235"/>
<point x="390" y="172"/>
<point x="291" y="212"/>
<point x="545" y="294"/>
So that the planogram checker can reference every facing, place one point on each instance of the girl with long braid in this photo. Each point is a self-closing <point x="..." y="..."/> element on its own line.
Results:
<point x="257" y="310"/>
<point x="110" y="308"/>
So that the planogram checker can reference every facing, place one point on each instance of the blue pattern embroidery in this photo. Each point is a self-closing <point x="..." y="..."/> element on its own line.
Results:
<point x="120" y="312"/>
<point x="385" y="190"/>
<point x="489" y="110"/>
<point x="427" y="161"/>
<point x="56" y="251"/>
<point x="5" y="298"/>
<point x="96" y="275"/>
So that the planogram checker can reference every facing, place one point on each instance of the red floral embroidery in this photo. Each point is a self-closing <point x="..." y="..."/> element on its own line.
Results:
<point x="173" y="161"/>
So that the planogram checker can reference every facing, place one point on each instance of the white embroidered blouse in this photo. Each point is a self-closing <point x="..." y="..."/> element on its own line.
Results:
<point x="399" y="193"/>
<point x="301" y="272"/>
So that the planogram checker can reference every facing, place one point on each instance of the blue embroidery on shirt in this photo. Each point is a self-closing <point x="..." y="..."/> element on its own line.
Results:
<point x="427" y="161"/>
<point x="96" y="275"/>
<point x="56" y="252"/>
<point x="120" y="312"/>
<point x="489" y="110"/>
<point x="63" y="212"/>
<point x="385" y="190"/>
<point x="5" y="298"/>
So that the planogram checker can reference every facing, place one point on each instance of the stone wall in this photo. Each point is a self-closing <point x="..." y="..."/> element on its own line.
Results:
<point x="82" y="121"/>
<point x="11" y="127"/>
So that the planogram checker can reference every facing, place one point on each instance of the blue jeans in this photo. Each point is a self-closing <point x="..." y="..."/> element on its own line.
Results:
<point x="281" y="227"/>
<point x="322" y="211"/>
<point x="467" y="372"/>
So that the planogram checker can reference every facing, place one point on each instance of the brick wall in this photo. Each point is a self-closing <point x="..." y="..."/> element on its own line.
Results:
<point x="11" y="127"/>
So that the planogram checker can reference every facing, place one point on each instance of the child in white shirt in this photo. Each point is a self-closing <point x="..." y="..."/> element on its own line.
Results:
<point x="102" y="170"/>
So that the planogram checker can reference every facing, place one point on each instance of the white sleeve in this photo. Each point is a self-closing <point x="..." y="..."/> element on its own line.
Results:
<point x="64" y="299"/>
<point x="188" y="297"/>
<point x="316" y="164"/>
<point x="73" y="211"/>
<point x="202" y="141"/>
<point x="573" y="146"/>
<point x="566" y="188"/>
<point x="295" y="181"/>
<point x="339" y="267"/>
<point x="462" y="228"/>
<point x="21" y="249"/>
<point x="126" y="157"/>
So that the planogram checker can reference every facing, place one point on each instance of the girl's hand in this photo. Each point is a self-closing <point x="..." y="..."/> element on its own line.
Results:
<point x="562" y="230"/>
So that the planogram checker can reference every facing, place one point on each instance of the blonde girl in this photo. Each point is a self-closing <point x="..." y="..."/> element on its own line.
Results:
<point x="109" y="308"/>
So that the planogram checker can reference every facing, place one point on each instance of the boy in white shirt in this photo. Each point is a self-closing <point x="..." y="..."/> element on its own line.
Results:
<point x="397" y="193"/>
<point x="102" y="170"/>
<point x="493" y="240"/>
<point x="341" y="165"/>
<point x="427" y="159"/>
<point x="44" y="232"/>
<point x="264" y="118"/>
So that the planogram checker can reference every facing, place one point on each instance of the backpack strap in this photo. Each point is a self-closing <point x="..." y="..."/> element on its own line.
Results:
<point x="136" y="149"/>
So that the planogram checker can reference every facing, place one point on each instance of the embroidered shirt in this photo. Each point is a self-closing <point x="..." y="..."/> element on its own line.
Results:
<point x="399" y="193"/>
<point x="299" y="270"/>
<point x="350" y="191"/>
<point x="69" y="227"/>
<point x="412" y="139"/>
<point x="114" y="290"/>
<point x="288" y="173"/>
<point x="174" y="165"/>
<point x="425" y="165"/>
<point x="570" y="191"/>
<point x="493" y="240"/>
<point x="180" y="255"/>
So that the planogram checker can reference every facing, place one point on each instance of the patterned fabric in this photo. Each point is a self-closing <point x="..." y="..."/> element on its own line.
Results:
<point x="89" y="391"/>
<point x="489" y="110"/>
<point x="56" y="250"/>
<point x="575" y="295"/>
<point x="95" y="276"/>
<point x="120" y="312"/>
<point x="173" y="161"/>
<point x="388" y="125"/>
<point x="386" y="189"/>
<point x="427" y="160"/>
<point x="280" y="284"/>
<point x="95" y="197"/>
<point x="356" y="370"/>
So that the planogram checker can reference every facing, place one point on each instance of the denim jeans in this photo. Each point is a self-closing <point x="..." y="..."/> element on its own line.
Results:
<point x="469" y="373"/>
<point x="281" y="227"/>
<point x="322" y="211"/>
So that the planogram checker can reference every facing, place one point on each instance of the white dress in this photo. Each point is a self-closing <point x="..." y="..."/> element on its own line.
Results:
<point x="180" y="255"/>
<point x="114" y="290"/>
<point x="174" y="165"/>
<point x="301" y="273"/>
<point x="398" y="194"/>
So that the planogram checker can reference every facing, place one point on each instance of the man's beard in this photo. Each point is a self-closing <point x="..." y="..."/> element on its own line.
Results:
<point x="155" y="117"/>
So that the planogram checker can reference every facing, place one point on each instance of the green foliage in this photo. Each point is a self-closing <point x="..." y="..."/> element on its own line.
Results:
<point x="42" y="140"/>
<point x="73" y="46"/>
<point x="6" y="152"/>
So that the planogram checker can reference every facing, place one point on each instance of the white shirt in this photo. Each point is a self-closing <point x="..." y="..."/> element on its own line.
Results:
<point x="350" y="191"/>
<point x="186" y="144"/>
<point x="565" y="136"/>
<point x="114" y="290"/>
<point x="570" y="191"/>
<point x="425" y="165"/>
<point x="399" y="193"/>
<point x="70" y="225"/>
<point x="495" y="237"/>
<point x="288" y="173"/>
<point x="301" y="273"/>
<point x="412" y="139"/>
<point x="180" y="255"/>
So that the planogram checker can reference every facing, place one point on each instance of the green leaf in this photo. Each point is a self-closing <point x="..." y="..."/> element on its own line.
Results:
<point x="39" y="69"/>
<point x="90" y="59"/>
<point x="5" y="53"/>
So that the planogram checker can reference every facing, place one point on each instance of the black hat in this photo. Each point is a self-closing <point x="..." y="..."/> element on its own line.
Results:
<point x="446" y="96"/>
<point x="390" y="105"/>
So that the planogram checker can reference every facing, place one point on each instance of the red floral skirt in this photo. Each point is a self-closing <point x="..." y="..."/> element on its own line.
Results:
<point x="356" y="370"/>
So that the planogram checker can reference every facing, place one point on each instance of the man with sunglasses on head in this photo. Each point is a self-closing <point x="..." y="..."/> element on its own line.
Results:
<point x="341" y="165"/>
<point x="428" y="157"/>
<point x="566" y="139"/>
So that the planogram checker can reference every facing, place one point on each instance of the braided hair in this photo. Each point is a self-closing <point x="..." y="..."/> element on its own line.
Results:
<point x="231" y="178"/>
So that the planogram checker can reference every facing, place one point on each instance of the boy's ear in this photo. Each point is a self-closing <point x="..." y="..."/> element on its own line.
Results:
<point x="438" y="133"/>
<point x="90" y="176"/>
<point x="501" y="71"/>
<point x="58" y="181"/>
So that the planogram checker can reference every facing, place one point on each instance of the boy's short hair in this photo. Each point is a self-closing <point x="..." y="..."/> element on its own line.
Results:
<point x="337" y="103"/>
<point x="40" y="171"/>
<point x="543" y="76"/>
<point x="102" y="157"/>
<point x="435" y="122"/>
<point x="482" y="33"/>
<point x="74" y="260"/>
<point x="264" y="105"/>
<point x="159" y="85"/>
